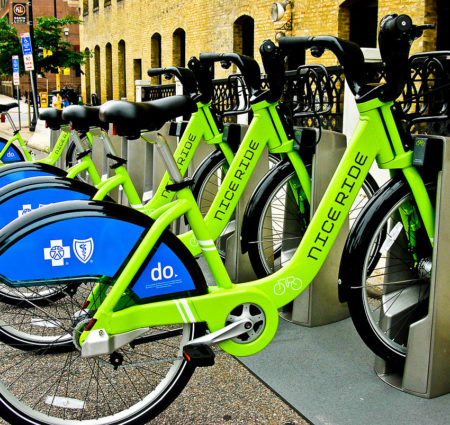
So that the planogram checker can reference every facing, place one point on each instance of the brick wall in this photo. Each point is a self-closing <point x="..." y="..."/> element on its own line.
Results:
<point x="209" y="27"/>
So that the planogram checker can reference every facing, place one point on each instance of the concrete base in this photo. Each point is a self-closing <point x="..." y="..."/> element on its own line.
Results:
<point x="326" y="373"/>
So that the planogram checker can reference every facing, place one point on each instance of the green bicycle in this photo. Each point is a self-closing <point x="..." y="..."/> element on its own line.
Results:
<point x="132" y="357"/>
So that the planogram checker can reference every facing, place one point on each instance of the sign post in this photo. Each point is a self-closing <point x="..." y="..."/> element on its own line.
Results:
<point x="16" y="82"/>
<point x="27" y="50"/>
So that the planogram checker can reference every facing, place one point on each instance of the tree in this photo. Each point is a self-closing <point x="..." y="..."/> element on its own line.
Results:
<point x="47" y="35"/>
<point x="9" y="45"/>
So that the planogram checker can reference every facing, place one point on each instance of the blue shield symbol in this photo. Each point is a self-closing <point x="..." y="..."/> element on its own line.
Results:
<point x="83" y="249"/>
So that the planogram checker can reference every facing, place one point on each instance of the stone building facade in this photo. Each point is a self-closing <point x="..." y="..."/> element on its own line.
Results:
<point x="126" y="37"/>
<point x="45" y="8"/>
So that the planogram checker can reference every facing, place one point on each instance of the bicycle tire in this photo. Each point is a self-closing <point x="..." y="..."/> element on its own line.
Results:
<point x="16" y="150"/>
<point x="375" y="291"/>
<point x="58" y="385"/>
<point x="264" y="240"/>
<point x="169" y="375"/>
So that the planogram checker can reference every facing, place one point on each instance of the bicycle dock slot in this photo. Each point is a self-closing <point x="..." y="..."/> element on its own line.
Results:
<point x="307" y="309"/>
<point x="427" y="367"/>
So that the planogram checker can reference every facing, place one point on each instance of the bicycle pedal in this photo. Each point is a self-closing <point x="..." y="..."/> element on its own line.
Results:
<point x="199" y="355"/>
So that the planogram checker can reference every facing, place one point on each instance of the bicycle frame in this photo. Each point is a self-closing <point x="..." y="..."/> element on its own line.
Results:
<point x="17" y="137"/>
<point x="200" y="126"/>
<point x="266" y="129"/>
<point x="375" y="137"/>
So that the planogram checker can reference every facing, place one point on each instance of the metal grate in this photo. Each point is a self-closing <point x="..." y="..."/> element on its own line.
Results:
<point x="157" y="92"/>
<point x="309" y="99"/>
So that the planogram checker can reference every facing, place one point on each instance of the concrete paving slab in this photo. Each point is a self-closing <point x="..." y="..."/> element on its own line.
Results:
<point x="326" y="373"/>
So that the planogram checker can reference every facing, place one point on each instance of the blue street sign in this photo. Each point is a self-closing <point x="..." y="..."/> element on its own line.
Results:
<point x="26" y="44"/>
<point x="15" y="63"/>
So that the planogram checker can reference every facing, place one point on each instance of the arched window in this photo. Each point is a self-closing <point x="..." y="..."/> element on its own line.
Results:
<point x="122" y="70"/>
<point x="85" y="7"/>
<point x="443" y="27"/>
<point x="179" y="47"/>
<point x="244" y="36"/>
<point x="87" y="74"/>
<point x="108" y="69"/>
<point x="358" y="21"/>
<point x="98" y="74"/>
<point x="156" y="56"/>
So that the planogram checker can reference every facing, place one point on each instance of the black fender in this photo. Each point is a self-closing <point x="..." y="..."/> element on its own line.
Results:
<point x="251" y="210"/>
<point x="22" y="170"/>
<point x="82" y="241"/>
<point x="209" y="161"/>
<point x="23" y="196"/>
<point x="358" y="232"/>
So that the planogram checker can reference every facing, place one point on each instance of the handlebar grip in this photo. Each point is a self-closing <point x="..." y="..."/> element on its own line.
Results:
<point x="211" y="57"/>
<point x="396" y="24"/>
<point x="296" y="42"/>
<point x="249" y="67"/>
<point x="153" y="72"/>
<point x="186" y="77"/>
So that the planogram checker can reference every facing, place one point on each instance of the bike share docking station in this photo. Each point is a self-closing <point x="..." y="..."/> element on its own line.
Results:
<point x="318" y="304"/>
<point x="427" y="369"/>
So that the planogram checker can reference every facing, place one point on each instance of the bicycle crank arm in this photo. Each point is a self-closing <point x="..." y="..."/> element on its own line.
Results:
<point x="228" y="332"/>
<point x="99" y="342"/>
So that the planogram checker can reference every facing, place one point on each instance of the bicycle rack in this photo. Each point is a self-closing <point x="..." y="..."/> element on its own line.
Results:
<point x="427" y="368"/>
<point x="308" y="308"/>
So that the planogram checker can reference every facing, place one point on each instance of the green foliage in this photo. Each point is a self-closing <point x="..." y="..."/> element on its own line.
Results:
<point x="9" y="45"/>
<point x="48" y="35"/>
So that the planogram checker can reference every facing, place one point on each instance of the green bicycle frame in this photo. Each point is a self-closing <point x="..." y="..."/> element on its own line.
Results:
<point x="17" y="137"/>
<point x="200" y="126"/>
<point x="375" y="137"/>
<point x="265" y="129"/>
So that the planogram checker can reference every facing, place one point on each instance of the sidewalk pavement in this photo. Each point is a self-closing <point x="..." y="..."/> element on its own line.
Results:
<point x="39" y="139"/>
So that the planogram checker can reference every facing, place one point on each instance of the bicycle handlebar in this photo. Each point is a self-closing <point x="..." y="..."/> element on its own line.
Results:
<point x="249" y="67"/>
<point x="204" y="79"/>
<point x="186" y="77"/>
<point x="348" y="53"/>
<point x="397" y="33"/>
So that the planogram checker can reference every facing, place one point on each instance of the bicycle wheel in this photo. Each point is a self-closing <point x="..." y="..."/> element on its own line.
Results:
<point x="13" y="154"/>
<point x="207" y="180"/>
<point x="131" y="386"/>
<point x="385" y="299"/>
<point x="276" y="224"/>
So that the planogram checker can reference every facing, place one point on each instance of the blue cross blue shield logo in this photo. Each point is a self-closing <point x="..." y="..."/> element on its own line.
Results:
<point x="57" y="253"/>
<point x="83" y="249"/>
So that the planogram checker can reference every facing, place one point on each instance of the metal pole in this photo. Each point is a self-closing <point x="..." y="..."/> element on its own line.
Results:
<point x="18" y="102"/>
<point x="32" y="73"/>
